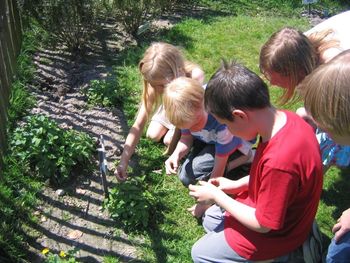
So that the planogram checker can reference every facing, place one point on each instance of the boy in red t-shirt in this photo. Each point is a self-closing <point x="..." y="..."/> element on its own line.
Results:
<point x="269" y="213"/>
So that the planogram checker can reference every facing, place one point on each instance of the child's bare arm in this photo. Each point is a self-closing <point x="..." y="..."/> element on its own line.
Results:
<point x="219" y="166"/>
<point x="183" y="147"/>
<point x="208" y="193"/>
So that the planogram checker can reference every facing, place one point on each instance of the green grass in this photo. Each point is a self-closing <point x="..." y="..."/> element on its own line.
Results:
<point x="206" y="43"/>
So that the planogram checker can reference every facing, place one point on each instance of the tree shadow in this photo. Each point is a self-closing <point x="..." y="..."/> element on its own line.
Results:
<point x="56" y="68"/>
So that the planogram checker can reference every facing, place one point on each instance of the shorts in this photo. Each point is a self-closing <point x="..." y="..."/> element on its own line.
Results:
<point x="160" y="117"/>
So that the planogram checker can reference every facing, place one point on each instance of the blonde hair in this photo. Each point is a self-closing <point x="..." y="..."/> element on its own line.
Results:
<point x="291" y="54"/>
<point x="161" y="61"/>
<point x="326" y="94"/>
<point x="183" y="98"/>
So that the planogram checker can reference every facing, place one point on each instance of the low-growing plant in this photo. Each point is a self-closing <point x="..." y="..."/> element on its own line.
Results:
<point x="21" y="102"/>
<point x="61" y="257"/>
<point x="129" y="85"/>
<point x="113" y="91"/>
<point x="132" y="205"/>
<point x="103" y="93"/>
<point x="52" y="153"/>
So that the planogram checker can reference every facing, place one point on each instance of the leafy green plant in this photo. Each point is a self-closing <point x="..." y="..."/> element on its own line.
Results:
<point x="61" y="257"/>
<point x="103" y="93"/>
<point x="132" y="204"/>
<point x="113" y="91"/>
<point x="21" y="101"/>
<point x="50" y="151"/>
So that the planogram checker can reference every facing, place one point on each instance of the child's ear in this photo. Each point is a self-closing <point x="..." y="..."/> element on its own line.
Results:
<point x="239" y="114"/>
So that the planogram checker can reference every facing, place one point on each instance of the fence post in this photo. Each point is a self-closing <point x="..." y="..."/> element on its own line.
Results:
<point x="10" y="45"/>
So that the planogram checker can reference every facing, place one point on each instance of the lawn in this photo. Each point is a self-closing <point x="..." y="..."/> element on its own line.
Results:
<point x="206" y="42"/>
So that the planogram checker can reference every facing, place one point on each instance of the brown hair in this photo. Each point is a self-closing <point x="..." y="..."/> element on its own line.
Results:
<point x="290" y="53"/>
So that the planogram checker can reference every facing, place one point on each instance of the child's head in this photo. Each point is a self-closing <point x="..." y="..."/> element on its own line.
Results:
<point x="286" y="58"/>
<point x="183" y="101"/>
<point x="326" y="94"/>
<point x="161" y="63"/>
<point x="235" y="88"/>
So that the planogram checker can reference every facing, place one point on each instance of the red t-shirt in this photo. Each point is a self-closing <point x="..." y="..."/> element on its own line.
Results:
<point x="284" y="187"/>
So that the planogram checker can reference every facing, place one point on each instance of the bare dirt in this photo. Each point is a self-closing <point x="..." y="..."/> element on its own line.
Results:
<point x="72" y="217"/>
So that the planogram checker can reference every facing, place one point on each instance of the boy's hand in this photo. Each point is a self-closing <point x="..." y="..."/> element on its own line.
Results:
<point x="226" y="185"/>
<point x="171" y="165"/>
<point x="120" y="173"/>
<point x="204" y="192"/>
<point x="342" y="226"/>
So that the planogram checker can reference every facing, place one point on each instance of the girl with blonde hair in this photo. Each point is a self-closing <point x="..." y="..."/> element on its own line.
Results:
<point x="326" y="94"/>
<point x="161" y="63"/>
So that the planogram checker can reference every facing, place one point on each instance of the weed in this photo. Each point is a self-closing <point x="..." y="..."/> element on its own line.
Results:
<point x="132" y="205"/>
<point x="61" y="257"/>
<point x="51" y="152"/>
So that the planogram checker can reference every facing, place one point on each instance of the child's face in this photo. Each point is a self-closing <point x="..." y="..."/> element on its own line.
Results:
<point x="198" y="122"/>
<point x="239" y="127"/>
<point x="159" y="85"/>
<point x="279" y="80"/>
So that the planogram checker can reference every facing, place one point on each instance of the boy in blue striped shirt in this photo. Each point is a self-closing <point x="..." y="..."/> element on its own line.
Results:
<point x="213" y="144"/>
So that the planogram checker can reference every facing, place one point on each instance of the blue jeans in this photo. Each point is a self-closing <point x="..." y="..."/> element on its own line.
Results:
<point x="198" y="164"/>
<point x="340" y="252"/>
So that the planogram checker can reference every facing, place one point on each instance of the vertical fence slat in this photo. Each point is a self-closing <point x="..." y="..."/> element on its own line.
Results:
<point x="17" y="26"/>
<point x="10" y="44"/>
<point x="4" y="83"/>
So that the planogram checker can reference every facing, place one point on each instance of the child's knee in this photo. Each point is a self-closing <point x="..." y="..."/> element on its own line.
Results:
<point x="154" y="135"/>
<point x="185" y="180"/>
<point x="196" y="252"/>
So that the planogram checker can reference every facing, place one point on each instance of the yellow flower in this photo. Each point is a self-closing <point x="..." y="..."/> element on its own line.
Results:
<point x="62" y="254"/>
<point x="45" y="251"/>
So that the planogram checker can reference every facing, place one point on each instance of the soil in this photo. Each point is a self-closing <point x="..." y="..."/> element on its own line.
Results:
<point x="72" y="218"/>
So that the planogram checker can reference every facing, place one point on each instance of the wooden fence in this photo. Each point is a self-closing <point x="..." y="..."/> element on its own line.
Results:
<point x="10" y="45"/>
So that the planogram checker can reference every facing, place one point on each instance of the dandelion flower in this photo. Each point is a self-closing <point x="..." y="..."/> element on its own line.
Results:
<point x="62" y="254"/>
<point x="45" y="251"/>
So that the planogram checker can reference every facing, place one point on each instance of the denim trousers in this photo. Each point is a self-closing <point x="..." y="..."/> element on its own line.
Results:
<point x="339" y="252"/>
<point x="198" y="164"/>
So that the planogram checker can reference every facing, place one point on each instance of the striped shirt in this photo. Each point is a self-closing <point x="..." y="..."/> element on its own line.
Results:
<point x="218" y="134"/>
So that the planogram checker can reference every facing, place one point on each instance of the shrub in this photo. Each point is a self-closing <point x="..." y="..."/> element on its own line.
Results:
<point x="134" y="13"/>
<point x="70" y="22"/>
<point x="52" y="153"/>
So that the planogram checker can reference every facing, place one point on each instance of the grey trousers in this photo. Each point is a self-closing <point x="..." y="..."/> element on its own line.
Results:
<point x="213" y="247"/>
<point x="198" y="164"/>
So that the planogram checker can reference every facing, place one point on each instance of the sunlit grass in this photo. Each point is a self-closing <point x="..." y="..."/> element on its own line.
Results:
<point x="207" y="43"/>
